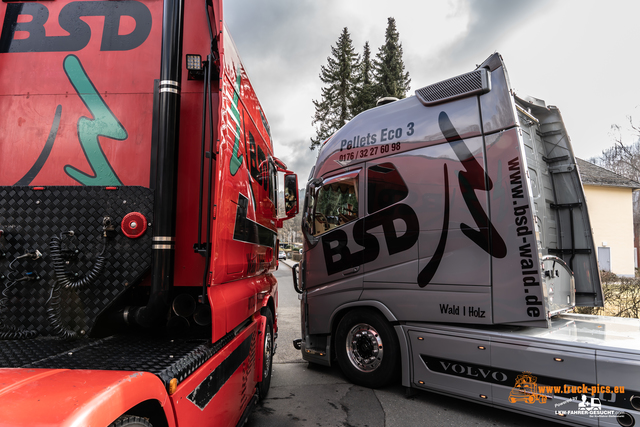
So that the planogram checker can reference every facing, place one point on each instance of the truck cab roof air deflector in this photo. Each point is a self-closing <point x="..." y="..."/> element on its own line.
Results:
<point x="474" y="83"/>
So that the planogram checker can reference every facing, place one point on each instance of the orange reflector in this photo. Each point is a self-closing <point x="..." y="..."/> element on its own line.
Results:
<point x="173" y="385"/>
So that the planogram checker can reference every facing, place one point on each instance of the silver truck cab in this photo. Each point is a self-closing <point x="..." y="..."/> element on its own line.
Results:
<point x="461" y="204"/>
<point x="446" y="235"/>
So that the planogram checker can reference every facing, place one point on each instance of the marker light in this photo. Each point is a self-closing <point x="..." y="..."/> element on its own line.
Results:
<point x="173" y="385"/>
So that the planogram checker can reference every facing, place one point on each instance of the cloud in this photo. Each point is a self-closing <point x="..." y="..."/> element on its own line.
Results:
<point x="283" y="43"/>
<point x="489" y="21"/>
<point x="477" y="33"/>
<point x="547" y="45"/>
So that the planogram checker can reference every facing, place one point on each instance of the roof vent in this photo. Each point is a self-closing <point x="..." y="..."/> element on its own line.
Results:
<point x="474" y="83"/>
<point x="386" y="100"/>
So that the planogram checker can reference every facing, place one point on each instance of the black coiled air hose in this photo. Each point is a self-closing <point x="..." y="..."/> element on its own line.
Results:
<point x="7" y="331"/>
<point x="55" y="249"/>
<point x="10" y="332"/>
<point x="54" y="310"/>
<point x="54" y="303"/>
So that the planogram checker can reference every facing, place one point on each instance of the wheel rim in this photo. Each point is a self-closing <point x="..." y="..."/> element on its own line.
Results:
<point x="267" y="356"/>
<point x="364" y="347"/>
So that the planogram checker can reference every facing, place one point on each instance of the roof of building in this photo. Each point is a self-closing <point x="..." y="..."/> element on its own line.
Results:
<point x="595" y="175"/>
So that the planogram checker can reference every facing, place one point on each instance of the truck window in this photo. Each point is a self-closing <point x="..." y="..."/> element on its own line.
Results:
<point x="385" y="187"/>
<point x="334" y="204"/>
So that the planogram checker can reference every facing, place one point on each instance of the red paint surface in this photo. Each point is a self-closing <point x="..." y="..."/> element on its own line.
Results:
<point x="34" y="84"/>
<point x="43" y="397"/>
<point x="227" y="405"/>
<point x="240" y="280"/>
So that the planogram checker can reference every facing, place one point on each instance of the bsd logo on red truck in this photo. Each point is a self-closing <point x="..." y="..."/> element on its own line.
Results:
<point x="79" y="31"/>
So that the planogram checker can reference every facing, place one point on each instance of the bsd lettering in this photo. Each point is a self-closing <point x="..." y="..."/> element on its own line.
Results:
<point x="337" y="255"/>
<point x="79" y="31"/>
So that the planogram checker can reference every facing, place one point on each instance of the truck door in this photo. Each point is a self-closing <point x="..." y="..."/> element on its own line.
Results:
<point x="333" y="227"/>
<point x="392" y="257"/>
<point x="435" y="260"/>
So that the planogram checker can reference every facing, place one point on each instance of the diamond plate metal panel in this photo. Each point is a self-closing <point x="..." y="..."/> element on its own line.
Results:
<point x="29" y="219"/>
<point x="164" y="357"/>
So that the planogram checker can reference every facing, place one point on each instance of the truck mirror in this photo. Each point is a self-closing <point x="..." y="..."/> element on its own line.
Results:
<point x="291" y="195"/>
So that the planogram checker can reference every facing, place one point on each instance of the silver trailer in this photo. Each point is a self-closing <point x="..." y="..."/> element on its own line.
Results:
<point x="447" y="239"/>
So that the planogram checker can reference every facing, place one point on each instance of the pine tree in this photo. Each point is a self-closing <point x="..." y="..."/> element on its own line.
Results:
<point x="365" y="92"/>
<point x="390" y="76"/>
<point x="333" y="110"/>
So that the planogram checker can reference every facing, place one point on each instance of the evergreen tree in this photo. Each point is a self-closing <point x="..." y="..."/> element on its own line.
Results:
<point x="365" y="92"/>
<point x="333" y="110"/>
<point x="390" y="76"/>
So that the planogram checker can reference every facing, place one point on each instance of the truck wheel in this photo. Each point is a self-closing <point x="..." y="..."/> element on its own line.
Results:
<point x="130" y="421"/>
<point x="367" y="348"/>
<point x="267" y="356"/>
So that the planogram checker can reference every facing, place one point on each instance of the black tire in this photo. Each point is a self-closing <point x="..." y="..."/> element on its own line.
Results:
<point x="366" y="346"/>
<point x="267" y="356"/>
<point x="131" y="421"/>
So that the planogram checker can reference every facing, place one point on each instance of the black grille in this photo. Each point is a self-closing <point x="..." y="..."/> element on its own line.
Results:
<point x="30" y="218"/>
<point x="473" y="83"/>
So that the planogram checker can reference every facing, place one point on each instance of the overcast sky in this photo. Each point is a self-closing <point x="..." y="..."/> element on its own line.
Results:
<point x="579" y="55"/>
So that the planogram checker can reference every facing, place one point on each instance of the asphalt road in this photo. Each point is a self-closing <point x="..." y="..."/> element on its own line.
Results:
<point x="304" y="394"/>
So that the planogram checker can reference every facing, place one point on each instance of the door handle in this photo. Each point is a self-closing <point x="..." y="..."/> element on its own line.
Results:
<point x="351" y="271"/>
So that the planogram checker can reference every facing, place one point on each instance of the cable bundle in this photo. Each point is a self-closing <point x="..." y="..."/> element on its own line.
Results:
<point x="7" y="331"/>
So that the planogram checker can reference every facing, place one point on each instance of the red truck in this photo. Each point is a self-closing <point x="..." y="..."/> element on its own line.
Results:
<point x="138" y="217"/>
